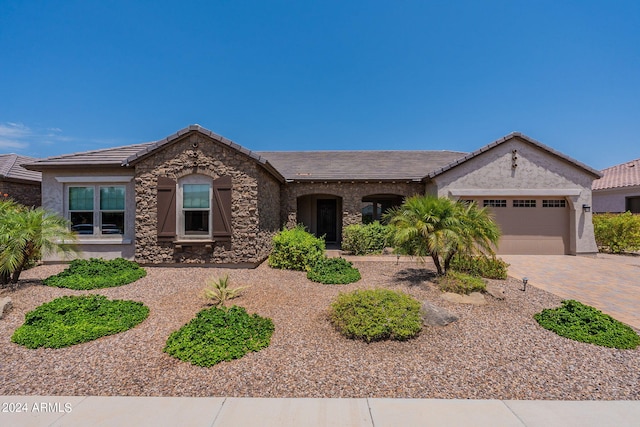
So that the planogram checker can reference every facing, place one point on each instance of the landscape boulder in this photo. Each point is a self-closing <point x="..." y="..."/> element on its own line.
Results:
<point x="474" y="298"/>
<point x="433" y="315"/>
<point x="5" y="305"/>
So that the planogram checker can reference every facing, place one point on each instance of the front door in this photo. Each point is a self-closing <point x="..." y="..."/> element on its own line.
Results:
<point x="327" y="219"/>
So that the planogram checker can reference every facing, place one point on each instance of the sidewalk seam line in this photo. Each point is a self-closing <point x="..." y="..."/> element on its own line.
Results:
<point x="213" y="423"/>
<point x="373" y="423"/>
<point x="514" y="414"/>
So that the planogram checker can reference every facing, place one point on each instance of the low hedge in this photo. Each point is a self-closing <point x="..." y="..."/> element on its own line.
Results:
<point x="333" y="271"/>
<point x="481" y="266"/>
<point x="366" y="239"/>
<point x="218" y="334"/>
<point x="96" y="273"/>
<point x="584" y="323"/>
<point x="617" y="233"/>
<point x="72" y="320"/>
<point x="376" y="314"/>
<point x="460" y="283"/>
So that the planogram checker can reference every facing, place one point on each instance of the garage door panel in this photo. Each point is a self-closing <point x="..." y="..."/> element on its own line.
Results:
<point x="531" y="230"/>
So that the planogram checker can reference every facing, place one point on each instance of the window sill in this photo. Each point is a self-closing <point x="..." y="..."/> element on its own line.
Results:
<point x="103" y="241"/>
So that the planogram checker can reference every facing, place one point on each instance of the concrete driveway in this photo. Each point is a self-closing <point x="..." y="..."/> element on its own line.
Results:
<point x="610" y="283"/>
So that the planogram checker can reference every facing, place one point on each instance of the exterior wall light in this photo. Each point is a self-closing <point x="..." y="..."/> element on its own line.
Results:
<point x="586" y="208"/>
<point x="525" y="280"/>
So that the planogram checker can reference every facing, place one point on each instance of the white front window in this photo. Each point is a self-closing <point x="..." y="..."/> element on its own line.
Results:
<point x="96" y="209"/>
<point x="194" y="207"/>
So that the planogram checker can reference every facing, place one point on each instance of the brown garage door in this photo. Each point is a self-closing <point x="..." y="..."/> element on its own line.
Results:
<point x="531" y="226"/>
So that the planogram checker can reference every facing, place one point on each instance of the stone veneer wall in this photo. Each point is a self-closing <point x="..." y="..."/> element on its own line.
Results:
<point x="350" y="192"/>
<point x="26" y="194"/>
<point x="252" y="220"/>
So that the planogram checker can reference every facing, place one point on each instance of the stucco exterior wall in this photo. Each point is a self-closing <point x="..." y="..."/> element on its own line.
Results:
<point x="28" y="194"/>
<point x="54" y="198"/>
<point x="253" y="221"/>
<point x="537" y="173"/>
<point x="613" y="200"/>
<point x="350" y="195"/>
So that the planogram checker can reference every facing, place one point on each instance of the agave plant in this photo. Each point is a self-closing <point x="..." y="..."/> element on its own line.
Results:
<point x="219" y="291"/>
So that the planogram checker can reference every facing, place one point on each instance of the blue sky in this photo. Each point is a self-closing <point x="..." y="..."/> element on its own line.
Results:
<point x="312" y="75"/>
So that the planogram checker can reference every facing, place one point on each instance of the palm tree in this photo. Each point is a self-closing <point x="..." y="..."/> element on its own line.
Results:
<point x="26" y="234"/>
<point x="441" y="227"/>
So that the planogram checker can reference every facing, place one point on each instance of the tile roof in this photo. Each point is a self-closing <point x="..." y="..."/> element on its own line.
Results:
<point x="96" y="158"/>
<point x="11" y="168"/>
<point x="618" y="176"/>
<point x="507" y="138"/>
<point x="358" y="165"/>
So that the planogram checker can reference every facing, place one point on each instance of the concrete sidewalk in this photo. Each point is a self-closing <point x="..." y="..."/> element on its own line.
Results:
<point x="223" y="412"/>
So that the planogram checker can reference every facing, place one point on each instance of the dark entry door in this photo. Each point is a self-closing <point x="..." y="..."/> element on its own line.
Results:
<point x="327" y="219"/>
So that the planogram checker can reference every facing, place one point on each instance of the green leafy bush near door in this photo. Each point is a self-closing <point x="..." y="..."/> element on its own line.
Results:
<point x="296" y="249"/>
<point x="583" y="323"/>
<point x="333" y="271"/>
<point x="366" y="239"/>
<point x="72" y="320"/>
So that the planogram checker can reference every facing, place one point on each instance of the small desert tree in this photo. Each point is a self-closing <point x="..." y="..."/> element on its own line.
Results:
<point x="26" y="234"/>
<point x="440" y="228"/>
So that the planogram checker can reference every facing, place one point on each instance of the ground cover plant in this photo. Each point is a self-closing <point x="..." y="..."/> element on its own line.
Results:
<point x="364" y="239"/>
<point x="72" y="320"/>
<point x="218" y="334"/>
<point x="333" y="271"/>
<point x="96" y="273"/>
<point x="296" y="249"/>
<point x="460" y="283"/>
<point x="587" y="324"/>
<point x="481" y="266"/>
<point x="376" y="314"/>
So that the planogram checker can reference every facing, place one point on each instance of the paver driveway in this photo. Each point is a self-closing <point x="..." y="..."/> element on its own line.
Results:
<point x="610" y="283"/>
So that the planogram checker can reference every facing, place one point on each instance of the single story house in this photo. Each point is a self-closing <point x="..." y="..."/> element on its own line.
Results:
<point x="197" y="197"/>
<point x="18" y="183"/>
<point x="619" y="189"/>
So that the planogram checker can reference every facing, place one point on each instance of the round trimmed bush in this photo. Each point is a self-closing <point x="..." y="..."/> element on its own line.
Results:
<point x="333" y="271"/>
<point x="218" y="334"/>
<point x="376" y="314"/>
<point x="72" y="320"/>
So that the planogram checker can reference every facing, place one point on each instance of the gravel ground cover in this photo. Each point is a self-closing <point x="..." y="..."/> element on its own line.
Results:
<point x="496" y="351"/>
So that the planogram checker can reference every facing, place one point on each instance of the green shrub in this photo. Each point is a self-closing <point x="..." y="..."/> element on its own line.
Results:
<point x="583" y="323"/>
<point x="482" y="266"/>
<point x="617" y="233"/>
<point x="215" y="335"/>
<point x="72" y="320"/>
<point x="296" y="249"/>
<point x="96" y="273"/>
<point x="219" y="291"/>
<point x="460" y="283"/>
<point x="365" y="239"/>
<point x="333" y="271"/>
<point x="376" y="314"/>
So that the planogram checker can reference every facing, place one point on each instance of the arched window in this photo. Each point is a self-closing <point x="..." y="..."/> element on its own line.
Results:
<point x="376" y="205"/>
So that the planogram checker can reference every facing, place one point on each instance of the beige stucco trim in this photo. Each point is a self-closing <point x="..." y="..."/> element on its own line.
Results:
<point x="515" y="192"/>
<point x="92" y="179"/>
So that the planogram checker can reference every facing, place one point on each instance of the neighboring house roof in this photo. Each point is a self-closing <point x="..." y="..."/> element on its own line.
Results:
<point x="11" y="168"/>
<point x="508" y="138"/>
<point x="623" y="175"/>
<point x="358" y="165"/>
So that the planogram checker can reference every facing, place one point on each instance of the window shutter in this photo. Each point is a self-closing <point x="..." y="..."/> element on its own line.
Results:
<point x="221" y="208"/>
<point x="166" y="207"/>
